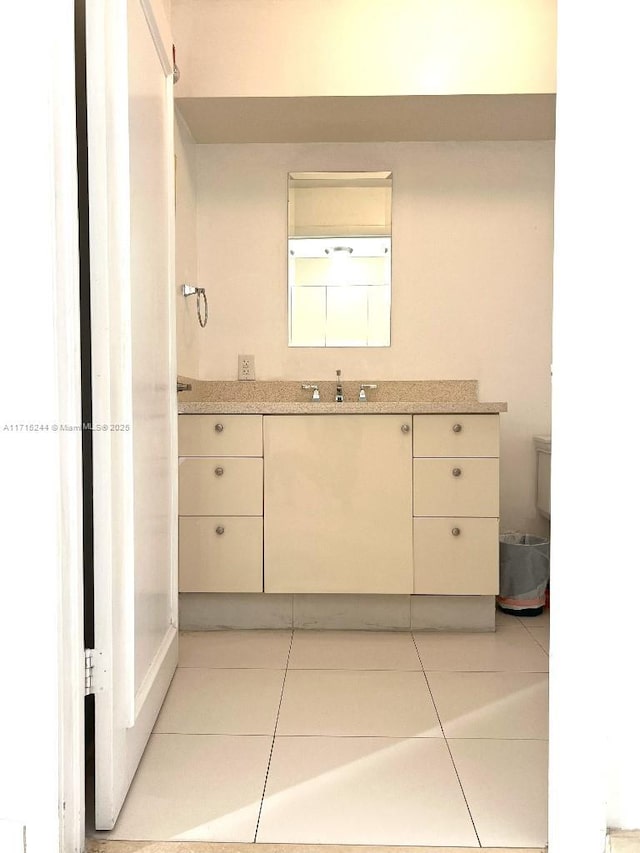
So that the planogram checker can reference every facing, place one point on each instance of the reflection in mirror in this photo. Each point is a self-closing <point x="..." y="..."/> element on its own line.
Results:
<point x="339" y="259"/>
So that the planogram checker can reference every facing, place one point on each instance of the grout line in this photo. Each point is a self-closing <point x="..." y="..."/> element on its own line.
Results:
<point x="273" y="740"/>
<point x="351" y="669"/>
<point x="533" y="637"/>
<point x="485" y="671"/>
<point x="402" y="737"/>
<point x="236" y="668"/>
<point x="446" y="741"/>
<point x="211" y="734"/>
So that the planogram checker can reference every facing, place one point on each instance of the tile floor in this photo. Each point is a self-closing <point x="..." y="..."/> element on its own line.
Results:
<point x="339" y="737"/>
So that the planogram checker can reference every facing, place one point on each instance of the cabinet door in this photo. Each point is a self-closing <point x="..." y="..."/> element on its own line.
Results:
<point x="338" y="515"/>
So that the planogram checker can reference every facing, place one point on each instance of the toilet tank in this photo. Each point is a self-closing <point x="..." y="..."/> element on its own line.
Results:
<point x="542" y="444"/>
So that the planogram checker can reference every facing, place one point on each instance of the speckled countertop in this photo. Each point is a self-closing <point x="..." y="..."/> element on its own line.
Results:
<point x="390" y="397"/>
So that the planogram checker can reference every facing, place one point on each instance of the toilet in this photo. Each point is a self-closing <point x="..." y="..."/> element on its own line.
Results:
<point x="542" y="444"/>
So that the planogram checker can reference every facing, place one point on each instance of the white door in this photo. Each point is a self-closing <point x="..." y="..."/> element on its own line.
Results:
<point x="131" y="209"/>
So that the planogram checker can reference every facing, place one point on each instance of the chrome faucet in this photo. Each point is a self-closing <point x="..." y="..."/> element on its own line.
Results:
<point x="362" y="397"/>
<point x="339" y="394"/>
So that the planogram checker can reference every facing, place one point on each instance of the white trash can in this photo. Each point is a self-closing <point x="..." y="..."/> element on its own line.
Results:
<point x="524" y="573"/>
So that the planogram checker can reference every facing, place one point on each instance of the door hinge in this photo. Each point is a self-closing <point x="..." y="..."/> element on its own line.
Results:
<point x="95" y="672"/>
<point x="89" y="672"/>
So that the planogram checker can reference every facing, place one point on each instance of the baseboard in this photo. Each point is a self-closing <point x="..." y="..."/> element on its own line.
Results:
<point x="221" y="611"/>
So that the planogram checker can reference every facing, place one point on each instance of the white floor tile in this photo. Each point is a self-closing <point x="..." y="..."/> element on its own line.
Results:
<point x="541" y="636"/>
<point x="195" y="788"/>
<point x="357" y="703"/>
<point x="492" y="704"/>
<point x="505" y="783"/>
<point x="222" y="701"/>
<point x="353" y="650"/>
<point x="506" y="651"/>
<point x="364" y="791"/>
<point x="360" y="756"/>
<point x="235" y="649"/>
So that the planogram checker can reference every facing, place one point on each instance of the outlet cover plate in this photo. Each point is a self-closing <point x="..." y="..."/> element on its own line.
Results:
<point x="246" y="367"/>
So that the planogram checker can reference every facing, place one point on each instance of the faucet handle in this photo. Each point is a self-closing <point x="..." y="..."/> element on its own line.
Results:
<point x="362" y="397"/>
<point x="316" y="394"/>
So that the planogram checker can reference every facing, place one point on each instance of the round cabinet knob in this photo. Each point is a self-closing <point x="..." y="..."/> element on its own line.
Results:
<point x="457" y="427"/>
<point x="455" y="531"/>
<point x="219" y="472"/>
<point x="456" y="472"/>
<point x="405" y="428"/>
<point x="219" y="427"/>
<point x="220" y="530"/>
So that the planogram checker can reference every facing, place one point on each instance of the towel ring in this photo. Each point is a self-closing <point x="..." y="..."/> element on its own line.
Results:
<point x="190" y="290"/>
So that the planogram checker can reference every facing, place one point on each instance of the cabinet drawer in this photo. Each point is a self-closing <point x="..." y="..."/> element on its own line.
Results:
<point x="438" y="491"/>
<point x="456" y="435"/>
<point x="220" y="485"/>
<point x="220" y="554"/>
<point x="462" y="564"/>
<point x="220" y="435"/>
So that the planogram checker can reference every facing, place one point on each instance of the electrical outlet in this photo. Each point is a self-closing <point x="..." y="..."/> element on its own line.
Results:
<point x="246" y="367"/>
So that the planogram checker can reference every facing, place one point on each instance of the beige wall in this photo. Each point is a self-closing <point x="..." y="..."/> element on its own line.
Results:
<point x="292" y="48"/>
<point x="166" y="5"/>
<point x="186" y="250"/>
<point x="472" y="261"/>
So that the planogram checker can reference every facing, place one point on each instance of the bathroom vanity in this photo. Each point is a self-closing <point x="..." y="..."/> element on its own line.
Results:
<point x="392" y="496"/>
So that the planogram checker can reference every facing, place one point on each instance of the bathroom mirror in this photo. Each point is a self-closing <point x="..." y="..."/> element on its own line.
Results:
<point x="339" y="259"/>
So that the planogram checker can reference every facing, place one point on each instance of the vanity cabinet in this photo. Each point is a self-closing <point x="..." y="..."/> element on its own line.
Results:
<point x="456" y="504"/>
<point x="220" y="503"/>
<point x="339" y="503"/>
<point x="338" y="515"/>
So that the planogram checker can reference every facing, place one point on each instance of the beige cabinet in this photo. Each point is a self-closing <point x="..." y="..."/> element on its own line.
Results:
<point x="338" y="515"/>
<point x="220" y="485"/>
<point x="220" y="435"/>
<point x="220" y="554"/>
<point x="455" y="556"/>
<point x="220" y="503"/>
<point x="351" y="503"/>
<point x="456" y="504"/>
<point x="456" y="435"/>
<point x="457" y="486"/>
